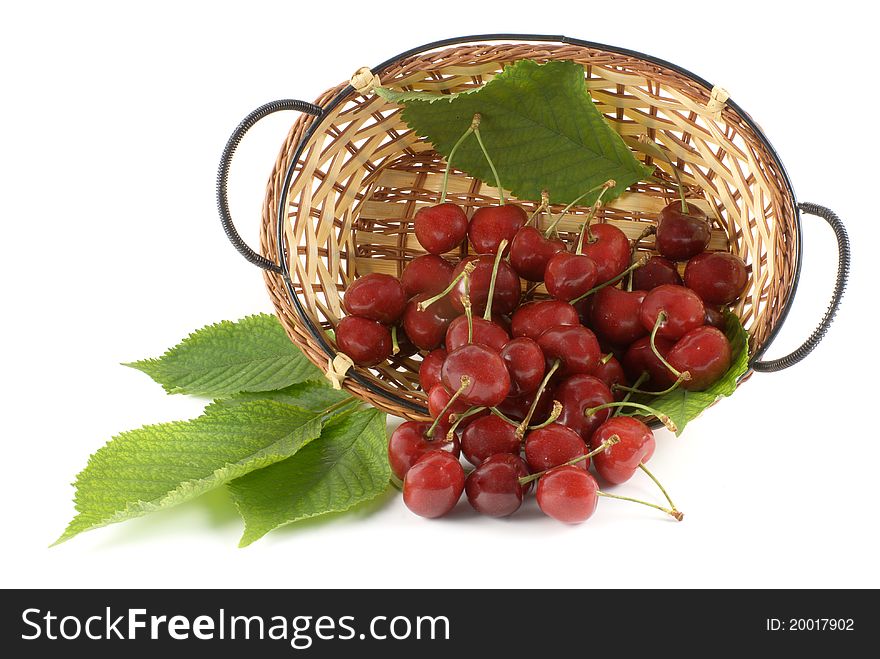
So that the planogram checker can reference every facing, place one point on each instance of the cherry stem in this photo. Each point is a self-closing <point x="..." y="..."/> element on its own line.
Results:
<point x="554" y="414"/>
<point x="543" y="206"/>
<point x="654" y="149"/>
<point x="585" y="229"/>
<point x="459" y="418"/>
<point x="606" y="358"/>
<point x="452" y="155"/>
<point x="608" y="443"/>
<point x="395" y="346"/>
<point x="521" y="429"/>
<point x="678" y="515"/>
<point x="664" y="419"/>
<point x="501" y="415"/>
<point x="661" y="318"/>
<point x="658" y="484"/>
<point x="475" y="124"/>
<point x="559" y="217"/>
<point x="639" y="380"/>
<point x="649" y="230"/>
<point x="487" y="314"/>
<point x="613" y="280"/>
<point x="465" y="383"/>
<point x="468" y="269"/>
<point x="635" y="390"/>
<point x="468" y="310"/>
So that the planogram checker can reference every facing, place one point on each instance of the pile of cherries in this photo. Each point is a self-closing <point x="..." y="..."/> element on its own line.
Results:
<point x="532" y="390"/>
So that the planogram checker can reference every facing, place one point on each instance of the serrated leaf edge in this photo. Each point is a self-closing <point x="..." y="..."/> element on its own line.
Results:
<point x="140" y="508"/>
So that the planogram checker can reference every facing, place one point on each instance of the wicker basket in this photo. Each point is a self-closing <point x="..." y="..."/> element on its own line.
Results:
<point x="351" y="175"/>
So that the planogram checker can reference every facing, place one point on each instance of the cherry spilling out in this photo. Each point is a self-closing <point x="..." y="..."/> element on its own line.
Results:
<point x="537" y="392"/>
<point x="411" y="440"/>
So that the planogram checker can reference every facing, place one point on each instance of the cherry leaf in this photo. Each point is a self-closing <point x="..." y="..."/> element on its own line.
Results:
<point x="540" y="126"/>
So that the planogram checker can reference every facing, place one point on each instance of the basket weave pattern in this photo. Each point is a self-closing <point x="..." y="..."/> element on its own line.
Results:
<point x="363" y="174"/>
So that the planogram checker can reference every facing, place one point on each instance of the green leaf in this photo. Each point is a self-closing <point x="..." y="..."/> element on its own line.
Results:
<point x="346" y="466"/>
<point x="253" y="354"/>
<point x="316" y="395"/>
<point x="159" y="466"/>
<point x="684" y="406"/>
<point x="540" y="126"/>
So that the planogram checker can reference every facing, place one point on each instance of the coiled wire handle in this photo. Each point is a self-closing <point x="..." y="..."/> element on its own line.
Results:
<point x="223" y="174"/>
<point x="843" y="259"/>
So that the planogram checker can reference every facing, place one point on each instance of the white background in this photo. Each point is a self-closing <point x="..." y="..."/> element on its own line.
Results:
<point x="113" y="120"/>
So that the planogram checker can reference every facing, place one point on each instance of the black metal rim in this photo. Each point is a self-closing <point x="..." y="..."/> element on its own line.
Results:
<point x="318" y="334"/>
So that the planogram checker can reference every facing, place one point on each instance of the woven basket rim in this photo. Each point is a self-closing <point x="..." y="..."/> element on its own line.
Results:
<point x="343" y="93"/>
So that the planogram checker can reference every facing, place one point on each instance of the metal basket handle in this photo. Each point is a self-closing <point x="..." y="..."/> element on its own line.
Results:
<point x="223" y="173"/>
<point x="843" y="259"/>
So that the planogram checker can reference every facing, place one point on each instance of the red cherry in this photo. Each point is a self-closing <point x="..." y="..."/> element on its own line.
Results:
<point x="534" y="318"/>
<point x="493" y="488"/>
<point x="434" y="484"/>
<point x="683" y="308"/>
<point x="614" y="315"/>
<point x="522" y="469"/>
<point x="440" y="228"/>
<point x="429" y="370"/>
<point x="717" y="277"/>
<point x="492" y="224"/>
<point x="438" y="399"/>
<point x="530" y="251"/>
<point x="611" y="373"/>
<point x="568" y="276"/>
<point x="409" y="442"/>
<point x="489" y="380"/>
<point x="377" y="297"/>
<point x="573" y="345"/>
<point x="681" y="235"/>
<point x="427" y="273"/>
<point x="486" y="332"/>
<point x="568" y="494"/>
<point x="703" y="352"/>
<point x="507" y="286"/>
<point x="609" y="249"/>
<point x="617" y="463"/>
<point x="366" y="341"/>
<point x="640" y="358"/>
<point x="554" y="445"/>
<point x="427" y="329"/>
<point x="488" y="436"/>
<point x="578" y="394"/>
<point x="525" y="364"/>
<point x="656" y="272"/>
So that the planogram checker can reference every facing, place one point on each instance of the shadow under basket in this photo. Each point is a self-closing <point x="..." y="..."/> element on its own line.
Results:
<point x="351" y="175"/>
